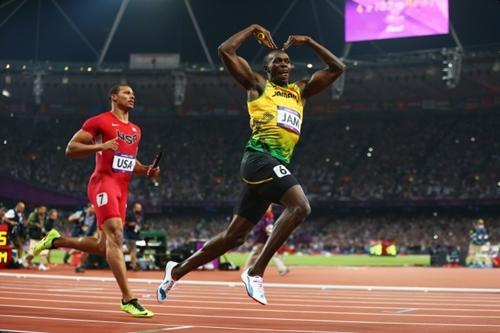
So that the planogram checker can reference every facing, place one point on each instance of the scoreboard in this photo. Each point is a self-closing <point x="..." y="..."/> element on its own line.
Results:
<point x="5" y="249"/>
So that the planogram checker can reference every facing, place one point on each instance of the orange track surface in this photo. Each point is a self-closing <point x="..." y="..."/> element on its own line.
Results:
<point x="64" y="304"/>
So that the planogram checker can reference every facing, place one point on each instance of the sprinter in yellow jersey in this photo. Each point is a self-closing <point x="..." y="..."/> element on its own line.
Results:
<point x="276" y="114"/>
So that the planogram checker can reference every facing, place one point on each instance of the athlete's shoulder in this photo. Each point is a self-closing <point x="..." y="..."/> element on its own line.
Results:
<point x="297" y="85"/>
<point x="94" y="124"/>
<point x="100" y="117"/>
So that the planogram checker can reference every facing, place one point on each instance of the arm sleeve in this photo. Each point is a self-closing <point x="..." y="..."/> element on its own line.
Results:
<point x="92" y="126"/>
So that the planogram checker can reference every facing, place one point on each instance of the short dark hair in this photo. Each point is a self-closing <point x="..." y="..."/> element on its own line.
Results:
<point x="268" y="56"/>
<point x="115" y="89"/>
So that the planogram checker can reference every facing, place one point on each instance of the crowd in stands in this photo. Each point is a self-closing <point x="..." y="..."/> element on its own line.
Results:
<point x="414" y="156"/>
<point x="324" y="234"/>
<point x="356" y="157"/>
<point x="347" y="234"/>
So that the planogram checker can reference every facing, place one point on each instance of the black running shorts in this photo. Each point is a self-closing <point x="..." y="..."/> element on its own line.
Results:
<point x="266" y="179"/>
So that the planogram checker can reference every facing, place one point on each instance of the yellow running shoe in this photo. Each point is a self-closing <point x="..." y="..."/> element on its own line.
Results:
<point x="46" y="242"/>
<point x="136" y="309"/>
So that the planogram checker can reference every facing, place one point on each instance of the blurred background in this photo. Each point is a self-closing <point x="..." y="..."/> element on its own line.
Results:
<point x="400" y="157"/>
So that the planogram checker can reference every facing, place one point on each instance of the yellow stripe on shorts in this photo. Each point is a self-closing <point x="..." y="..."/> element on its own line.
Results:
<point x="258" y="181"/>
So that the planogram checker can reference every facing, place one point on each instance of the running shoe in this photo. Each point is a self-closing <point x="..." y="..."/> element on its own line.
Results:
<point x="136" y="309"/>
<point x="255" y="287"/>
<point x="43" y="268"/>
<point x="79" y="269"/>
<point x="167" y="283"/>
<point x="46" y="242"/>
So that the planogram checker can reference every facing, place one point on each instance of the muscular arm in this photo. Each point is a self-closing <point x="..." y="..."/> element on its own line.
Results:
<point x="146" y="170"/>
<point x="236" y="65"/>
<point x="321" y="79"/>
<point x="140" y="169"/>
<point x="81" y="146"/>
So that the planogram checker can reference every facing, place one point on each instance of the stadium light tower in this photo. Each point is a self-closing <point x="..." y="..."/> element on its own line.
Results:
<point x="452" y="61"/>
<point x="452" y="66"/>
<point x="180" y="83"/>
<point x="38" y="86"/>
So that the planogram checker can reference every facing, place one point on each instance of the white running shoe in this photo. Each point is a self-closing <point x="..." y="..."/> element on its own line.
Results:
<point x="255" y="287"/>
<point x="43" y="268"/>
<point x="167" y="283"/>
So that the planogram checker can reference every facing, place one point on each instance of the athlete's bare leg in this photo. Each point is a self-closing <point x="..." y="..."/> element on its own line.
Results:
<point x="296" y="211"/>
<point x="85" y="244"/>
<point x="109" y="244"/>
<point x="113" y="229"/>
<point x="232" y="237"/>
<point x="254" y="254"/>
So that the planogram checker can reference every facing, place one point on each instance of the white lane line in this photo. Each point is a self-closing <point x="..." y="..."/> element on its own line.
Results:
<point x="253" y="310"/>
<point x="163" y="325"/>
<point x="285" y="303"/>
<point x="245" y="303"/>
<point x="187" y="290"/>
<point x="128" y="322"/>
<point x="15" y="282"/>
<point x="177" y="328"/>
<point x="4" y="330"/>
<point x="240" y="329"/>
<point x="411" y="310"/>
<point x="182" y="295"/>
<point x="396" y="312"/>
<point x="268" y="285"/>
<point x="263" y="319"/>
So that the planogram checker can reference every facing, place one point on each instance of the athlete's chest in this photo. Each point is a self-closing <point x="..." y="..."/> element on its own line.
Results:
<point x="286" y="107"/>
<point x="128" y="135"/>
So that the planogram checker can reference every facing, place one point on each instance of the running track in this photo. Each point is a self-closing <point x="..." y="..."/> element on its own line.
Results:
<point x="307" y="300"/>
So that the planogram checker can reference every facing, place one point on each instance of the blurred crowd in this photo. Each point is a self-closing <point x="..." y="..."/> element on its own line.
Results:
<point x="328" y="234"/>
<point x="411" y="156"/>
<point x="346" y="234"/>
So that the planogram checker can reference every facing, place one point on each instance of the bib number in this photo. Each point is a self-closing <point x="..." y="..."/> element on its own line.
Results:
<point x="102" y="199"/>
<point x="289" y="119"/>
<point x="123" y="163"/>
<point x="281" y="171"/>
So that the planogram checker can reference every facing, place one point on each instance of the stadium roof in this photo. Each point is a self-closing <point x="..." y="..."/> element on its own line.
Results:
<point x="74" y="30"/>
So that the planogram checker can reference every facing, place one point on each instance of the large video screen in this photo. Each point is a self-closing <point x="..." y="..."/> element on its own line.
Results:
<point x="384" y="19"/>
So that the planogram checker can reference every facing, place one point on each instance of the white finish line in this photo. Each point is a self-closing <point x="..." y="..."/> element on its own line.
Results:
<point x="268" y="285"/>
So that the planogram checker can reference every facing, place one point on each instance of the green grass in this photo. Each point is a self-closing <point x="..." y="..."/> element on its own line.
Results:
<point x="341" y="260"/>
<point x="313" y="260"/>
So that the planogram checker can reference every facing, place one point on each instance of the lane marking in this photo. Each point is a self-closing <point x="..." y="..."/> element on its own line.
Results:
<point x="398" y="312"/>
<point x="305" y="320"/>
<point x="412" y="310"/>
<point x="187" y="290"/>
<point x="268" y="285"/>
<point x="157" y="324"/>
<point x="316" y="304"/>
<point x="267" y="318"/>
<point x="3" y="330"/>
<point x="177" y="328"/>
<point x="239" y="329"/>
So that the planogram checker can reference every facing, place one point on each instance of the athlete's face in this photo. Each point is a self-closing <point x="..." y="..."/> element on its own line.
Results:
<point x="124" y="99"/>
<point x="278" y="66"/>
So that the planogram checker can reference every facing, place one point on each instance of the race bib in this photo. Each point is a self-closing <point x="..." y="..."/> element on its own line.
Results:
<point x="289" y="119"/>
<point x="123" y="163"/>
<point x="281" y="171"/>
